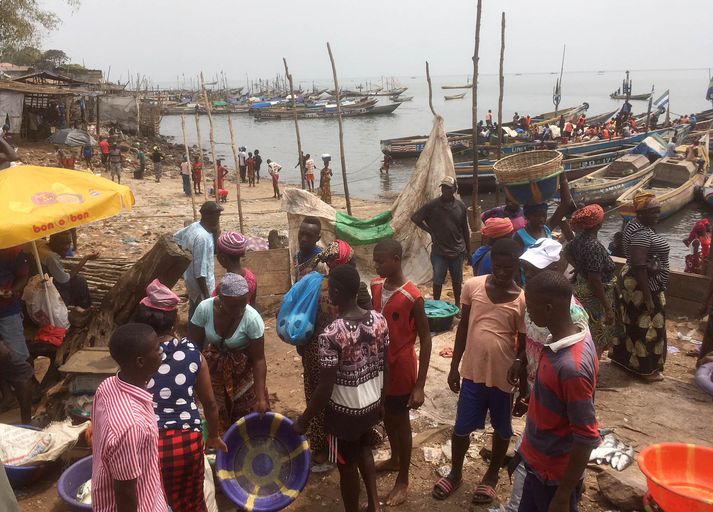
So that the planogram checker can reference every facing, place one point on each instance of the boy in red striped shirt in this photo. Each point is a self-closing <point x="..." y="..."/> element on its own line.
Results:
<point x="401" y="303"/>
<point x="562" y="427"/>
<point x="125" y="473"/>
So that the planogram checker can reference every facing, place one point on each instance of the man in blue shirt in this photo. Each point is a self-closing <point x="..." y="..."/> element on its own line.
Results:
<point x="199" y="239"/>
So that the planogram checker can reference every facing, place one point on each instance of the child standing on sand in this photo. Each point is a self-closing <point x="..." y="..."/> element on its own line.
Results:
<point x="401" y="303"/>
<point x="489" y="338"/>
<point x="352" y="359"/>
<point x="562" y="427"/>
<point x="250" y="162"/>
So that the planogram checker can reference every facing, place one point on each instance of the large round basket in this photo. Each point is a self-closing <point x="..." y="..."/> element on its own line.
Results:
<point x="531" y="177"/>
<point x="528" y="167"/>
<point x="267" y="464"/>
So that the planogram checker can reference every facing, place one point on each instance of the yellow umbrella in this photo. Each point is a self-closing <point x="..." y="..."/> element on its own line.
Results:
<point x="36" y="202"/>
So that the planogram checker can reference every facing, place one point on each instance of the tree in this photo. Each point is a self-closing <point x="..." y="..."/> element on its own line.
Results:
<point x="22" y="23"/>
<point x="55" y="58"/>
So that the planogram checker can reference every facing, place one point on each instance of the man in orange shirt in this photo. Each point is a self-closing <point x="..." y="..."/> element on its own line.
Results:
<point x="105" y="148"/>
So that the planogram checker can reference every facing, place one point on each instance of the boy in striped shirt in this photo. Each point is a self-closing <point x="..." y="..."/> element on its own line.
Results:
<point x="562" y="427"/>
<point x="126" y="476"/>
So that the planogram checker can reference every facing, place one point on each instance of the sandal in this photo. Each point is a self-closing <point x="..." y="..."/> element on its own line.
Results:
<point x="444" y="488"/>
<point x="484" y="494"/>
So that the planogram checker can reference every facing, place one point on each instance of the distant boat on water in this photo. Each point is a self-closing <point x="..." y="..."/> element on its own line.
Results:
<point x="455" y="96"/>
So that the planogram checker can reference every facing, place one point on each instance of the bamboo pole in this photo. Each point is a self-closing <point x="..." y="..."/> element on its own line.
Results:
<point x="200" y="152"/>
<point x="341" y="130"/>
<point x="209" y="110"/>
<point x="430" y="91"/>
<point x="500" y="100"/>
<point x="188" y="159"/>
<point x="237" y="166"/>
<point x="476" y="207"/>
<point x="297" y="126"/>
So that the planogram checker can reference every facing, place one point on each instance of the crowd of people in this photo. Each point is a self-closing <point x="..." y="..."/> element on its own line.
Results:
<point x="535" y="319"/>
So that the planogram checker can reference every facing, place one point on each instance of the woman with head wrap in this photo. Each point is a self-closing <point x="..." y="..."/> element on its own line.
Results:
<point x="640" y="343"/>
<point x="595" y="275"/>
<point x="538" y="226"/>
<point x="493" y="229"/>
<point x="231" y="335"/>
<point x="231" y="248"/>
<point x="182" y="377"/>
<point x="336" y="254"/>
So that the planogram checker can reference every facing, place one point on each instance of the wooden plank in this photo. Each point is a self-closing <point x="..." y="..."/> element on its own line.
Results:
<point x="273" y="259"/>
<point x="271" y="283"/>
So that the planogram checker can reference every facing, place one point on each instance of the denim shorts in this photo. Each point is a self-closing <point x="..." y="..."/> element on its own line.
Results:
<point x="12" y="332"/>
<point x="442" y="265"/>
<point x="474" y="402"/>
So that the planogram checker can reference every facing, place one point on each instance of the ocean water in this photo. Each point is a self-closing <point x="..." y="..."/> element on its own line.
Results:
<point x="524" y="93"/>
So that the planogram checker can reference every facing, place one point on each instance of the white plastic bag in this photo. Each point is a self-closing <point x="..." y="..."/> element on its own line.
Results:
<point x="44" y="303"/>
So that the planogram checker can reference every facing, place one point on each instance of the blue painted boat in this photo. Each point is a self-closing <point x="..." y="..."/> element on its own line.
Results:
<point x="575" y="168"/>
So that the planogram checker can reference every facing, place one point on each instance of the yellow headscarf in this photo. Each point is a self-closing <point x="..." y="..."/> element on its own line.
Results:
<point x="645" y="201"/>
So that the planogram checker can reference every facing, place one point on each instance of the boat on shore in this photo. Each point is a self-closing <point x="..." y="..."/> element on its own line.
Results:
<point x="673" y="181"/>
<point x="455" y="96"/>
<point x="708" y="191"/>
<point x="604" y="186"/>
<point x="637" y="97"/>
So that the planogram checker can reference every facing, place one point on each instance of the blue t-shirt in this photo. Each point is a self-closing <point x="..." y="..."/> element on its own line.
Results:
<point x="251" y="326"/>
<point x="173" y="386"/>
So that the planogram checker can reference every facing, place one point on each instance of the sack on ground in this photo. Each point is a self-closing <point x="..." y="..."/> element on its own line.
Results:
<point x="298" y="313"/>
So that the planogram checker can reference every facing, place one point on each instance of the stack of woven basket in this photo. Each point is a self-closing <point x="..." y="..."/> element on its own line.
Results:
<point x="531" y="177"/>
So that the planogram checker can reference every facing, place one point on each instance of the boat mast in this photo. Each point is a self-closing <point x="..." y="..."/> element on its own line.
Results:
<point x="557" y="94"/>
<point x="648" y="112"/>
<point x="626" y="87"/>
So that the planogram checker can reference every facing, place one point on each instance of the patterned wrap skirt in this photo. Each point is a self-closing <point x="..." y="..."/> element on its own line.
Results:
<point x="602" y="334"/>
<point x="641" y="347"/>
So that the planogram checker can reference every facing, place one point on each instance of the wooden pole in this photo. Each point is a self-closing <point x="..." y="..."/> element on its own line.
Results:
<point x="297" y="126"/>
<point x="430" y="90"/>
<point x="200" y="152"/>
<point x="209" y="111"/>
<point x="341" y="130"/>
<point x="500" y="100"/>
<point x="237" y="166"/>
<point x="648" y="112"/>
<point x="476" y="207"/>
<point x="98" y="98"/>
<point x="188" y="159"/>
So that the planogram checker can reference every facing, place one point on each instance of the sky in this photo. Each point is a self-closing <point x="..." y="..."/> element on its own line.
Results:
<point x="165" y="39"/>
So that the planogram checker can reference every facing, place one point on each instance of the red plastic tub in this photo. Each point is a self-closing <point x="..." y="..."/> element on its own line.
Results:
<point x="679" y="476"/>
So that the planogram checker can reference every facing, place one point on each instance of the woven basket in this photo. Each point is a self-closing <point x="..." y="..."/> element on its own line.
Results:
<point x="527" y="167"/>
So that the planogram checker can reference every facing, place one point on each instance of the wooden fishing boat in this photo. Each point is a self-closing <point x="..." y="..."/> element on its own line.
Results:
<point x="458" y="140"/>
<point x="674" y="182"/>
<point x="708" y="191"/>
<point x="400" y="99"/>
<point x="601" y="118"/>
<point x="455" y="96"/>
<point x="575" y="167"/>
<point x="463" y="86"/>
<point x="595" y="145"/>
<point x="270" y="114"/>
<point x="604" y="186"/>
<point x="639" y="97"/>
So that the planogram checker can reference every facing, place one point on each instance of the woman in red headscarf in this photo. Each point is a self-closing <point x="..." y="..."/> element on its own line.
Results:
<point x="595" y="278"/>
<point x="231" y="248"/>
<point x="702" y="232"/>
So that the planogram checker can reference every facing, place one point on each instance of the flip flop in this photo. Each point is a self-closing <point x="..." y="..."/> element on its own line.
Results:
<point x="484" y="494"/>
<point x="444" y="488"/>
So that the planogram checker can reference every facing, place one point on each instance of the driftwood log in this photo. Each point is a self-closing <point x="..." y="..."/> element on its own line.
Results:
<point x="166" y="261"/>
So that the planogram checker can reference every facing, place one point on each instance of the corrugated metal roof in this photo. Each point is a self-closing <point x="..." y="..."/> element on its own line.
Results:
<point x="9" y="85"/>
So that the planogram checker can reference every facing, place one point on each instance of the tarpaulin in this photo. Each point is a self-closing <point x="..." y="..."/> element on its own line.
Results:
<point x="11" y="106"/>
<point x="120" y="109"/>
<point x="362" y="232"/>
